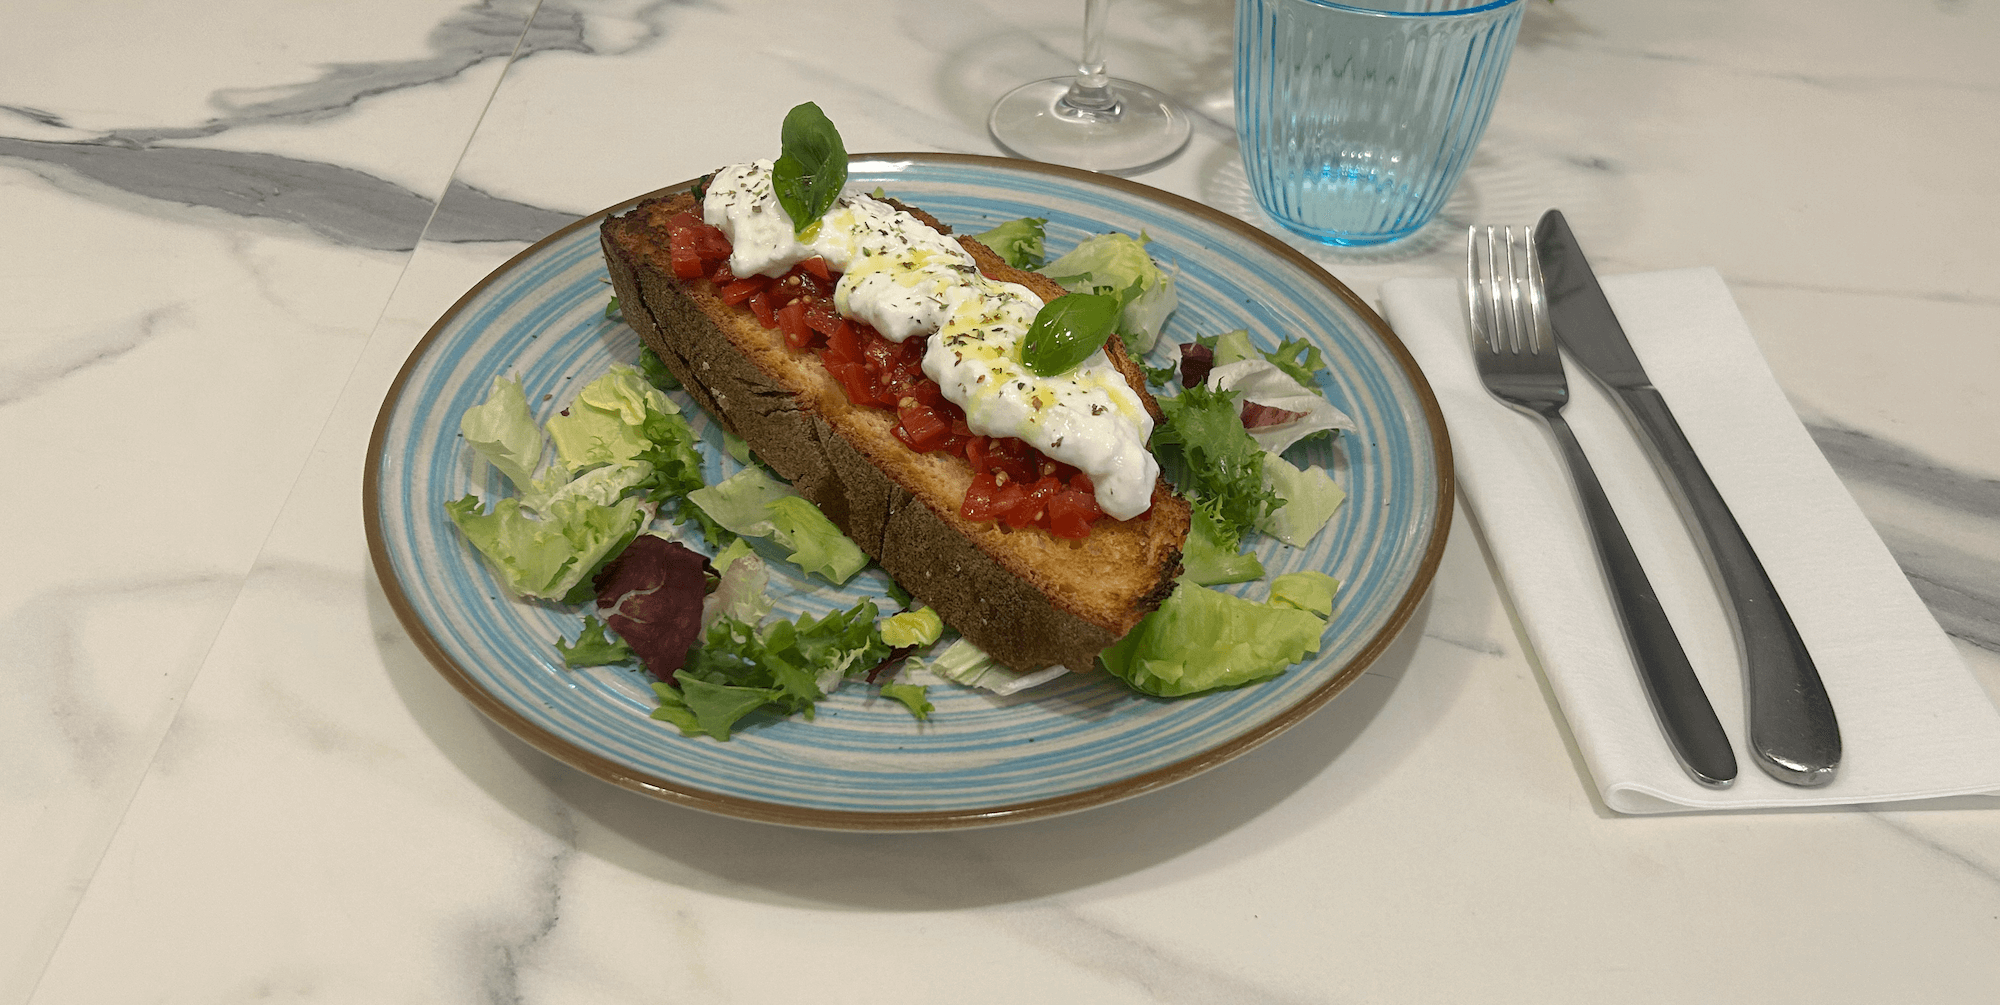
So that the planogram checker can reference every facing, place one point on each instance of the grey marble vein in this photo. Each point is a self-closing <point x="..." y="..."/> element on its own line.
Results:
<point x="72" y="737"/>
<point x="503" y="947"/>
<point x="1961" y="587"/>
<point x="342" y="204"/>
<point x="36" y="115"/>
<point x="1983" y="871"/>
<point x="474" y="34"/>
<point x="467" y="214"/>
<point x="1935" y="296"/>
<point x="29" y="366"/>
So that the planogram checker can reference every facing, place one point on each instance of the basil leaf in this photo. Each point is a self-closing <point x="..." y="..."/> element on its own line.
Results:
<point x="809" y="173"/>
<point x="1066" y="331"/>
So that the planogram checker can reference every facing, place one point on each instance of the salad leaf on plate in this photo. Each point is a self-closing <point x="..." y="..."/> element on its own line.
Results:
<point x="1214" y="461"/>
<point x="754" y="504"/>
<point x="1118" y="265"/>
<point x="1018" y="242"/>
<point x="593" y="648"/>
<point x="912" y="697"/>
<point x="550" y="556"/>
<point x="605" y="424"/>
<point x="502" y="430"/>
<point x="1204" y="640"/>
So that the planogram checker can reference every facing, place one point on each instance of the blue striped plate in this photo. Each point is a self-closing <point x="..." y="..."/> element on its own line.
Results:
<point x="864" y="763"/>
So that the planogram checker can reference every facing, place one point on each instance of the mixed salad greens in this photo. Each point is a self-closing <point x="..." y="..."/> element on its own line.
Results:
<point x="609" y="494"/>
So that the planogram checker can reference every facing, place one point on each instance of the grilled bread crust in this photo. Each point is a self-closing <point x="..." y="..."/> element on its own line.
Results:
<point x="1028" y="598"/>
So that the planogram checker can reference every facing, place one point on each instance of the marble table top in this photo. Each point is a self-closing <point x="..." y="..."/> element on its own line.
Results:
<point x="229" y="775"/>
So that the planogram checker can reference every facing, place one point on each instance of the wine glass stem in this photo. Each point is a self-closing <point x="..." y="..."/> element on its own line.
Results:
<point x="1090" y="93"/>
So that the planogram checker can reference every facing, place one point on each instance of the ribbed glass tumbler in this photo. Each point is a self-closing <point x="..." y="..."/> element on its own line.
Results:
<point x="1356" y="119"/>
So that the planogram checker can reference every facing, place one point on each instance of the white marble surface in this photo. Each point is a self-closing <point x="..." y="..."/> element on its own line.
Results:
<point x="230" y="776"/>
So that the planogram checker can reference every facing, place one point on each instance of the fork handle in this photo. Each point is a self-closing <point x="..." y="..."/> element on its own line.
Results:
<point x="1793" y="735"/>
<point x="1686" y="717"/>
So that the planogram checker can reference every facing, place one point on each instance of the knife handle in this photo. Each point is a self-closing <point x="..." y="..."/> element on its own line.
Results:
<point x="1794" y="735"/>
<point x="1685" y="715"/>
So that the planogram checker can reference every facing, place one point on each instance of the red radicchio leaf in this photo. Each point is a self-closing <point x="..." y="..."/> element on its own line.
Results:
<point x="895" y="656"/>
<point x="1196" y="361"/>
<point x="1257" y="416"/>
<point x="653" y="595"/>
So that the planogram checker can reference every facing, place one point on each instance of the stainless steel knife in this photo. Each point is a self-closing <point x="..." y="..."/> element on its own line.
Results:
<point x="1793" y="733"/>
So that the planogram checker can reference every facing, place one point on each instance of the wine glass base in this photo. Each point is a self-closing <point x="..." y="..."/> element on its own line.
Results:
<point x="1146" y="128"/>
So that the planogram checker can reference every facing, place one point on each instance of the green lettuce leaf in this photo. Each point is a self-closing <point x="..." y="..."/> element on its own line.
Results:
<point x="593" y="648"/>
<point x="548" y="556"/>
<point x="1310" y="498"/>
<point x="1117" y="264"/>
<point x="912" y="696"/>
<point x="754" y="504"/>
<point x="741" y="503"/>
<point x="1307" y="590"/>
<point x="669" y="453"/>
<point x="699" y="706"/>
<point x="816" y="545"/>
<point x="961" y="662"/>
<point x="1214" y="461"/>
<point x="603" y="486"/>
<point x="1208" y="559"/>
<point x="503" y="431"/>
<point x="1204" y="640"/>
<point x="787" y="666"/>
<point x="1299" y="358"/>
<point x="920" y="627"/>
<point x="605" y="423"/>
<point x="1019" y="242"/>
<point x="656" y="372"/>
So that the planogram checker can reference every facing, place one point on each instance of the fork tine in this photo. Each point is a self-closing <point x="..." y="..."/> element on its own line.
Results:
<point x="1538" y="298"/>
<point x="1473" y="322"/>
<point x="1510" y="284"/>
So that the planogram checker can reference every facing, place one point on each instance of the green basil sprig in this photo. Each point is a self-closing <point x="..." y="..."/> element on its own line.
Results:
<point x="811" y="169"/>
<point x="1066" y="331"/>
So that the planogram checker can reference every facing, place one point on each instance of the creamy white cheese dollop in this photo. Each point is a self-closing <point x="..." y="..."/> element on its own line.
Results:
<point x="905" y="279"/>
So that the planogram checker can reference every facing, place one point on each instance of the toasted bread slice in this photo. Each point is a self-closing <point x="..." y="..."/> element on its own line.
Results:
<point x="1028" y="598"/>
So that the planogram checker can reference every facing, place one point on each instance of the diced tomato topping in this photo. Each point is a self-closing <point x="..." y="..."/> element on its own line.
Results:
<point x="921" y="426"/>
<point x="1033" y="504"/>
<point x="692" y="245"/>
<point x="1072" y="511"/>
<point x="1007" y="497"/>
<point x="1012" y="481"/>
<point x="979" y="498"/>
<point x="821" y="317"/>
<point x="760" y="305"/>
<point x="710" y="243"/>
<point x="742" y="290"/>
<point x="792" y="321"/>
<point x="681" y="255"/>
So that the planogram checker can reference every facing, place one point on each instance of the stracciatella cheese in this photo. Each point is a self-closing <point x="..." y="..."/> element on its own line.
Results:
<point x="904" y="279"/>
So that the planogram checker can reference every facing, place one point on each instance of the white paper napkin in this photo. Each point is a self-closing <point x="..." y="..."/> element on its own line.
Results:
<point x="1914" y="723"/>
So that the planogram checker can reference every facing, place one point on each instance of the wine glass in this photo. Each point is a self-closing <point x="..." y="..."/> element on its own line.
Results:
<point x="1090" y="120"/>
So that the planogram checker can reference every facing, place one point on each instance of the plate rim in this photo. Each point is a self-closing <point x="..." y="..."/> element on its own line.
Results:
<point x="623" y="776"/>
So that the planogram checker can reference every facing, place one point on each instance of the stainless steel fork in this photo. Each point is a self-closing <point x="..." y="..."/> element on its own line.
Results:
<point x="1517" y="359"/>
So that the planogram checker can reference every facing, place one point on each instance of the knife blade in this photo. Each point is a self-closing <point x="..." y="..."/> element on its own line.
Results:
<point x="1794" y="735"/>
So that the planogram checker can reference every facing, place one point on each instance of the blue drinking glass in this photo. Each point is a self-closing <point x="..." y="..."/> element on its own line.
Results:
<point x="1356" y="118"/>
